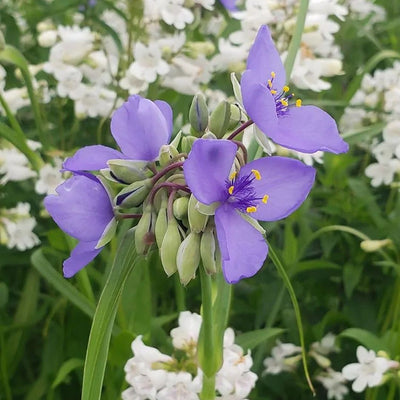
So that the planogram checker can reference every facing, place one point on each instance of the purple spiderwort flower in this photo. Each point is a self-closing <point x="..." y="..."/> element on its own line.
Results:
<point x="266" y="100"/>
<point x="140" y="127"/>
<point x="229" y="4"/>
<point x="81" y="208"/>
<point x="267" y="189"/>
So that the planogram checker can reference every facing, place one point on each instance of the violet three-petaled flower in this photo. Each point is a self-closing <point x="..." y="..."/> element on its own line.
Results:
<point x="270" y="104"/>
<point x="267" y="189"/>
<point x="140" y="127"/>
<point x="229" y="4"/>
<point x="82" y="209"/>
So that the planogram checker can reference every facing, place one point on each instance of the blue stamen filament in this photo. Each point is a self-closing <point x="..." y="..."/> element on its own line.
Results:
<point x="281" y="99"/>
<point x="242" y="194"/>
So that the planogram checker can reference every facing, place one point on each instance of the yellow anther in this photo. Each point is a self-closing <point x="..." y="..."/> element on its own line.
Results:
<point x="286" y="89"/>
<point x="230" y="190"/>
<point x="269" y="83"/>
<point x="298" y="103"/>
<point x="256" y="174"/>
<point x="273" y="74"/>
<point x="251" y="209"/>
<point x="284" y="102"/>
<point x="232" y="176"/>
<point x="274" y="92"/>
<point x="265" y="199"/>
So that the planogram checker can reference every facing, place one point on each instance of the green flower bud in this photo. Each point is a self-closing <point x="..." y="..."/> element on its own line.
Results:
<point x="197" y="220"/>
<point x="209" y="135"/>
<point x="161" y="224"/>
<point x="127" y="171"/>
<point x="187" y="143"/>
<point x="143" y="228"/>
<point x="198" y="114"/>
<point x="180" y="207"/>
<point x="219" y="119"/>
<point x="167" y="152"/>
<point x="194" y="49"/>
<point x="188" y="257"/>
<point x="134" y="194"/>
<point x="370" y="246"/>
<point x="236" y="116"/>
<point x="3" y="235"/>
<point x="207" y="251"/>
<point x="169" y="247"/>
<point x="322" y="361"/>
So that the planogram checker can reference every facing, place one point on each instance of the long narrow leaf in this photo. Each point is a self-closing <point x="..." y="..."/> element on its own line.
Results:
<point x="42" y="265"/>
<point x="100" y="333"/>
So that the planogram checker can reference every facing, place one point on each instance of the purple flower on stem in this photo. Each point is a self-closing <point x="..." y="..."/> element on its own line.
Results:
<point x="81" y="208"/>
<point x="267" y="189"/>
<point x="140" y="127"/>
<point x="270" y="104"/>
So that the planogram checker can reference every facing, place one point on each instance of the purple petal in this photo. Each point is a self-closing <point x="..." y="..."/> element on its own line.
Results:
<point x="286" y="181"/>
<point x="141" y="127"/>
<point x="166" y="110"/>
<point x="81" y="255"/>
<point x="91" y="158"/>
<point x="82" y="208"/>
<point x="264" y="58"/>
<point x="243" y="247"/>
<point x="229" y="4"/>
<point x="208" y="167"/>
<point x="307" y="129"/>
<point x="258" y="102"/>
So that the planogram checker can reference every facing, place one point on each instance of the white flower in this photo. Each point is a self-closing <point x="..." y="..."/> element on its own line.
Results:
<point x="148" y="62"/>
<point x="369" y="370"/>
<point x="173" y="12"/>
<point x="185" y="336"/>
<point x="326" y="345"/>
<point x="179" y="386"/>
<point x="49" y="178"/>
<point x="47" y="38"/>
<point x="19" y="225"/>
<point x="382" y="173"/>
<point x="14" y="166"/>
<point x="334" y="383"/>
<point x="278" y="362"/>
<point x="208" y="4"/>
<point x="391" y="132"/>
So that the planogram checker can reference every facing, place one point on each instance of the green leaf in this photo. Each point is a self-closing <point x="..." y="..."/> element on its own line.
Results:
<point x="103" y="321"/>
<point x="42" y="265"/>
<point x="362" y="134"/>
<point x="250" y="340"/>
<point x="66" y="368"/>
<point x="351" y="276"/>
<point x="366" y="338"/>
<point x="12" y="55"/>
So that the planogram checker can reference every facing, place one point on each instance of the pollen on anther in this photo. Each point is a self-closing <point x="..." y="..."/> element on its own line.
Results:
<point x="284" y="102"/>
<point x="274" y="92"/>
<point x="256" y="173"/>
<point x="232" y="176"/>
<point x="269" y="83"/>
<point x="273" y="74"/>
<point x="230" y="189"/>
<point x="298" y="103"/>
<point x="251" y="209"/>
<point x="286" y="89"/>
<point x="265" y="199"/>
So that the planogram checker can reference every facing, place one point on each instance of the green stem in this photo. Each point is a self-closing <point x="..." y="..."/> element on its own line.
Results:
<point x="296" y="38"/>
<point x="206" y="340"/>
<point x="278" y="264"/>
<point x="179" y="295"/>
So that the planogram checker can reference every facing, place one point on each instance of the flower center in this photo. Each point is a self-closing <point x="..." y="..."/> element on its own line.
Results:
<point x="283" y="98"/>
<point x="242" y="194"/>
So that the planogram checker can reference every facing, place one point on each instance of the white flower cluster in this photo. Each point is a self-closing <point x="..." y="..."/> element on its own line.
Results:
<point x="156" y="376"/>
<point x="82" y="68"/>
<point x="16" y="227"/>
<point x="368" y="372"/>
<point x="377" y="101"/>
